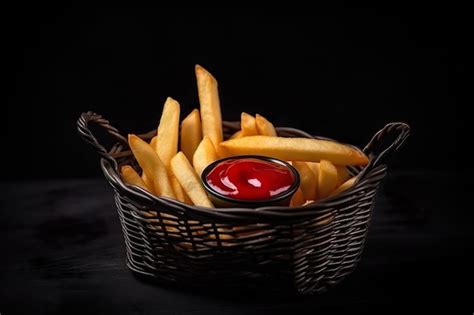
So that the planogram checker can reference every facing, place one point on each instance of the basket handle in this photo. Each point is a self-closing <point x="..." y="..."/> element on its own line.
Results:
<point x="379" y="148"/>
<point x="86" y="134"/>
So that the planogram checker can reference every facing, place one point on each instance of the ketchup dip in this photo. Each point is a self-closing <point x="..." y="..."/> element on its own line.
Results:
<point x="250" y="179"/>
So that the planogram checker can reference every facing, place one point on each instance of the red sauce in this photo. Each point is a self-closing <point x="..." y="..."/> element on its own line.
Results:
<point x="250" y="179"/>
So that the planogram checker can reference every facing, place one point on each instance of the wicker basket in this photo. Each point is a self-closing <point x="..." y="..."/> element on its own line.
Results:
<point x="308" y="249"/>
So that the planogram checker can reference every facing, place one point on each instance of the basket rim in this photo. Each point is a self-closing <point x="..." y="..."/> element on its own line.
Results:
<point x="317" y="208"/>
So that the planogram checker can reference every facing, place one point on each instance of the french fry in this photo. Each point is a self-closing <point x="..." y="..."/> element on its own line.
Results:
<point x="191" y="134"/>
<point x="314" y="166"/>
<point x="308" y="182"/>
<point x="211" y="118"/>
<point x="145" y="179"/>
<point x="327" y="178"/>
<point x="204" y="155"/>
<point x="221" y="153"/>
<point x="153" y="141"/>
<point x="342" y="174"/>
<point x="130" y="176"/>
<point x="298" y="198"/>
<point x="166" y="144"/>
<point x="237" y="134"/>
<point x="345" y="186"/>
<point x="264" y="127"/>
<point x="177" y="189"/>
<point x="153" y="167"/>
<point x="295" y="149"/>
<point x="147" y="182"/>
<point x="248" y="125"/>
<point x="189" y="180"/>
<point x="187" y="200"/>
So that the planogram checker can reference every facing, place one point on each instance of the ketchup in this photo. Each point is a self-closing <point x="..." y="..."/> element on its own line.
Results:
<point x="250" y="179"/>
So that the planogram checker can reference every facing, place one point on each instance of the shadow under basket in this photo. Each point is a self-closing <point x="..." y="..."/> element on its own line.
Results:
<point x="306" y="249"/>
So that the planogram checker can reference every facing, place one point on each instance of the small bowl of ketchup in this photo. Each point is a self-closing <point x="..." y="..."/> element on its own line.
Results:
<point x="250" y="181"/>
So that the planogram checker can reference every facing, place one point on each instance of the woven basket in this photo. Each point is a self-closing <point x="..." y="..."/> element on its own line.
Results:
<point x="307" y="249"/>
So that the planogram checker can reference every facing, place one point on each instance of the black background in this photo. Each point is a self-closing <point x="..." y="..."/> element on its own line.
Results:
<point x="340" y="72"/>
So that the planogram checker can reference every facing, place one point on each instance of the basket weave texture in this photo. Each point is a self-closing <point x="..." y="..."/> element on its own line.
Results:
<point x="307" y="249"/>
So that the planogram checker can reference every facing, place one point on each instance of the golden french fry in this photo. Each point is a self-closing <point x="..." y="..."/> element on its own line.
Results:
<point x="148" y="183"/>
<point x="327" y="178"/>
<point x="264" y="127"/>
<point x="237" y="134"/>
<point x="153" y="141"/>
<point x="248" y="125"/>
<point x="189" y="180"/>
<point x="221" y="153"/>
<point x="295" y="149"/>
<point x="308" y="182"/>
<point x="298" y="198"/>
<point x="166" y="144"/>
<point x="204" y="155"/>
<point x="130" y="176"/>
<point x="211" y="118"/>
<point x="345" y="186"/>
<point x="191" y="133"/>
<point x="177" y="189"/>
<point x="187" y="200"/>
<point x="151" y="164"/>
<point x="342" y="174"/>
<point x="314" y="166"/>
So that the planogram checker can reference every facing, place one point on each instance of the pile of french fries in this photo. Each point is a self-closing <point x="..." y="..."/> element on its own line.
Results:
<point x="173" y="173"/>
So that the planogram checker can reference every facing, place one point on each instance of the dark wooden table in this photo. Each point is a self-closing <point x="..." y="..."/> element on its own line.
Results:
<point x="62" y="253"/>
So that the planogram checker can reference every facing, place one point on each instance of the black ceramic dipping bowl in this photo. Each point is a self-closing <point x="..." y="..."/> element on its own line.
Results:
<point x="223" y="201"/>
